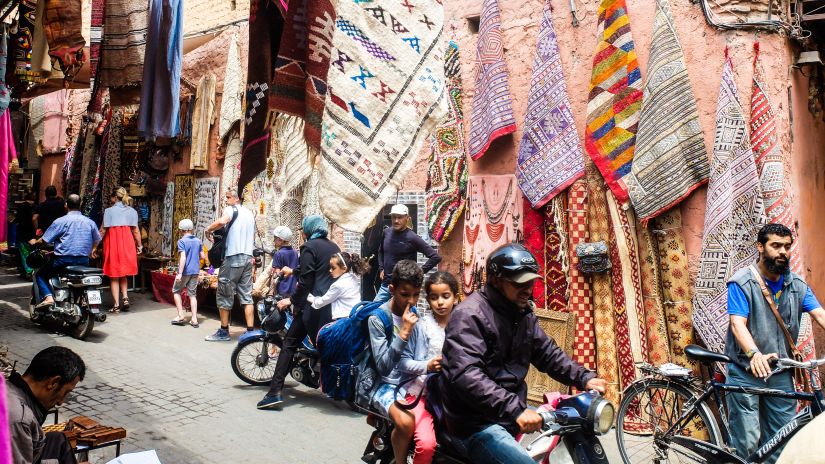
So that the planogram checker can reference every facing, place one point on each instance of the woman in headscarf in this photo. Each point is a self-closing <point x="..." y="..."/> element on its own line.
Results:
<point x="121" y="245"/>
<point x="313" y="278"/>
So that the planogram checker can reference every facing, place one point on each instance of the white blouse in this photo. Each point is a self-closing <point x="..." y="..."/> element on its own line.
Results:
<point x="344" y="294"/>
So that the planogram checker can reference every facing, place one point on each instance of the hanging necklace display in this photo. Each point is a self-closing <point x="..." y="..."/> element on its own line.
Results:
<point x="472" y="234"/>
<point x="497" y="216"/>
<point x="495" y="231"/>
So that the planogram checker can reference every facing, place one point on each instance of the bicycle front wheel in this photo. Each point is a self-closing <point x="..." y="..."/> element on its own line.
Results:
<point x="648" y="410"/>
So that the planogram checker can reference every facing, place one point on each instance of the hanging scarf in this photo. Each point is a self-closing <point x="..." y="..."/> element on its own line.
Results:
<point x="733" y="216"/>
<point x="615" y="98"/>
<point x="202" y="118"/>
<point x="5" y="93"/>
<point x="670" y="160"/>
<point x="550" y="155"/>
<point x="162" y="63"/>
<point x="492" y="113"/>
<point x="7" y="155"/>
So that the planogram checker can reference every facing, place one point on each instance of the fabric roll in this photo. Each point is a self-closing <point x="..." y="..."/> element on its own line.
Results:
<point x="733" y="216"/>
<point x="202" y="118"/>
<point x="447" y="164"/>
<point x="658" y="349"/>
<point x="670" y="160"/>
<point x="580" y="301"/>
<point x="125" y="32"/>
<point x="615" y="98"/>
<point x="555" y="254"/>
<point x="550" y="156"/>
<point x="492" y="112"/>
<point x="231" y="110"/>
<point x="607" y="357"/>
<point x="677" y="297"/>
<point x="8" y="153"/>
<point x="63" y="23"/>
<point x="535" y="231"/>
<point x="386" y="87"/>
<point x="161" y="72"/>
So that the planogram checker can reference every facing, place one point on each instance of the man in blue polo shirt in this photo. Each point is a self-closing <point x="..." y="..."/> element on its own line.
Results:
<point x="755" y="337"/>
<point x="74" y="236"/>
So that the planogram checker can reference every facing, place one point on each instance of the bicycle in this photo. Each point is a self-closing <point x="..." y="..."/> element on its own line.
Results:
<point x="671" y="415"/>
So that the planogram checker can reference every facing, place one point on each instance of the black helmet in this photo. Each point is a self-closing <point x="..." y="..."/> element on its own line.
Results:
<point x="513" y="262"/>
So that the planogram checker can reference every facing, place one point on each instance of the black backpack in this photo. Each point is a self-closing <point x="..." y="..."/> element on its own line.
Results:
<point x="218" y="251"/>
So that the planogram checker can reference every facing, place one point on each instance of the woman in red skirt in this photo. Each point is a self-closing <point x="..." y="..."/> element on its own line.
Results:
<point x="121" y="245"/>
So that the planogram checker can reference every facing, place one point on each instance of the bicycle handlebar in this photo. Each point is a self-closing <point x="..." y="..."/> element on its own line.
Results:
<point x="785" y="363"/>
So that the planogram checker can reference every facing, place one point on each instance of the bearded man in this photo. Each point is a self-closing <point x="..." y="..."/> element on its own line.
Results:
<point x="755" y="337"/>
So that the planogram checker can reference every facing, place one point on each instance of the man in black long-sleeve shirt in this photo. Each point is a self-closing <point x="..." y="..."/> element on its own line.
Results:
<point x="400" y="242"/>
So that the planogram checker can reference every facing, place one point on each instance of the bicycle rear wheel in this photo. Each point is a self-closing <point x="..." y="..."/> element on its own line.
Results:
<point x="649" y="408"/>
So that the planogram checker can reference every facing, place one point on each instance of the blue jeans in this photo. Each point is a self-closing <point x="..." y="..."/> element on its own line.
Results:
<point x="755" y="419"/>
<point x="494" y="445"/>
<point x="52" y="267"/>
<point x="383" y="294"/>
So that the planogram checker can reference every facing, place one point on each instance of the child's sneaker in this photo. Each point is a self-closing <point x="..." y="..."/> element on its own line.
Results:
<point x="221" y="335"/>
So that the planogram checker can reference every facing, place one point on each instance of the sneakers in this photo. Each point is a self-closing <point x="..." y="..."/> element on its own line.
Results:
<point x="270" y="402"/>
<point x="221" y="335"/>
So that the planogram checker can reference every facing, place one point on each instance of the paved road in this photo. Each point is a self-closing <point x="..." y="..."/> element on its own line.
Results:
<point x="177" y="394"/>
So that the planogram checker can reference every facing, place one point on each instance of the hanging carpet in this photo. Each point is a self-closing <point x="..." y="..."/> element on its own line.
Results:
<point x="386" y="85"/>
<point x="447" y="164"/>
<point x="556" y="260"/>
<point x="123" y="50"/>
<point x="615" y="98"/>
<point x="550" y="155"/>
<point x="670" y="159"/>
<point x="96" y="40"/>
<point x="492" y="112"/>
<point x="161" y="73"/>
<point x="534" y="240"/>
<point x="202" y="119"/>
<point x="580" y="300"/>
<point x="168" y="227"/>
<point x="111" y="167"/>
<point x="658" y="351"/>
<point x="775" y="183"/>
<point x="231" y="110"/>
<point x="733" y="216"/>
<point x="184" y="200"/>
<point x="62" y="23"/>
<point x="231" y="165"/>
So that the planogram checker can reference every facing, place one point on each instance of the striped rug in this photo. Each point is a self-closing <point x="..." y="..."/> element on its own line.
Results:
<point x="733" y="215"/>
<point x="670" y="159"/>
<point x="615" y="98"/>
<point x="580" y="299"/>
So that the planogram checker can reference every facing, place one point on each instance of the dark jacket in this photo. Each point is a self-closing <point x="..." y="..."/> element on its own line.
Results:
<point x="397" y="246"/>
<point x="489" y="346"/>
<point x="26" y="416"/>
<point x="313" y="277"/>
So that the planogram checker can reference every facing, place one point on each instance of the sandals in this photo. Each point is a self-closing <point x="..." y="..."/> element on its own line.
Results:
<point x="177" y="321"/>
<point x="114" y="309"/>
<point x="124" y="302"/>
<point x="194" y="325"/>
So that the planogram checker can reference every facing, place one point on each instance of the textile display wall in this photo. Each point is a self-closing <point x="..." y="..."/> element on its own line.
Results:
<point x="385" y="94"/>
<point x="493" y="218"/>
<point x="205" y="208"/>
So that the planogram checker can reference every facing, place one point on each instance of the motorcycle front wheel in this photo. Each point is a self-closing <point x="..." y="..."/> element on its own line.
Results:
<point x="84" y="327"/>
<point x="254" y="359"/>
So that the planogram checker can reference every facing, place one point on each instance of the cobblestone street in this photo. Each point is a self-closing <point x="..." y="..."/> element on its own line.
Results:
<point x="176" y="393"/>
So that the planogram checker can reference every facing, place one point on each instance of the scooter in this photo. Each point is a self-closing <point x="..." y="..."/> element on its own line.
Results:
<point x="569" y="434"/>
<point x="77" y="299"/>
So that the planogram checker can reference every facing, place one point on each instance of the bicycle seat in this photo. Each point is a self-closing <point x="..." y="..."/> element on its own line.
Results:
<point x="82" y="270"/>
<point x="700" y="354"/>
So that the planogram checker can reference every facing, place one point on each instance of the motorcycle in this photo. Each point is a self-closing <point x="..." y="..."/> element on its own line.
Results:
<point x="569" y="434"/>
<point x="77" y="299"/>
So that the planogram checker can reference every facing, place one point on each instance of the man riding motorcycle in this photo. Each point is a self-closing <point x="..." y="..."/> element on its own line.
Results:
<point x="74" y="236"/>
<point x="491" y="340"/>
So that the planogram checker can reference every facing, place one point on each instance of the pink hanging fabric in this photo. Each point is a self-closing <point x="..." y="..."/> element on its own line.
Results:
<point x="7" y="154"/>
<point x="5" y="435"/>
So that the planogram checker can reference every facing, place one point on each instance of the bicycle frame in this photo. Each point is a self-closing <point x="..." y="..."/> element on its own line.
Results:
<point x="713" y="389"/>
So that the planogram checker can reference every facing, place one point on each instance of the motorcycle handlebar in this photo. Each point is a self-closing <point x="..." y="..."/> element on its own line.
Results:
<point x="548" y="417"/>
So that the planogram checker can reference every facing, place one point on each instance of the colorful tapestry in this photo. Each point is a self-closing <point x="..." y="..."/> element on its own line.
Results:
<point x="96" y="31"/>
<point x="556" y="260"/>
<point x="231" y="110"/>
<point x="184" y="192"/>
<point x="580" y="299"/>
<point x="161" y="69"/>
<point x="492" y="112"/>
<point x="658" y="350"/>
<point x="670" y="160"/>
<point x="493" y="217"/>
<point x="534" y="240"/>
<point x="22" y="43"/>
<point x="385" y="97"/>
<point x="447" y="164"/>
<point x="125" y="30"/>
<point x="550" y="155"/>
<point x="733" y="216"/>
<point x="63" y="23"/>
<point x="265" y="26"/>
<point x="169" y="228"/>
<point x="202" y="118"/>
<point x="207" y="196"/>
<point x="615" y="98"/>
<point x="300" y="75"/>
<point x="774" y="181"/>
<point x="677" y="298"/>
<point x="607" y="357"/>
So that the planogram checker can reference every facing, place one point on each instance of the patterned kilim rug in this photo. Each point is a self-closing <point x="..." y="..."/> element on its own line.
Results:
<point x="124" y="42"/>
<point x="774" y="181"/>
<point x="386" y="84"/>
<point x="677" y="298"/>
<point x="607" y="358"/>
<point x="733" y="216"/>
<point x="168" y="228"/>
<point x="447" y="165"/>
<point x="658" y="350"/>
<point x="534" y="240"/>
<point x="556" y="260"/>
<point x="550" y="156"/>
<point x="670" y="159"/>
<point x="111" y="169"/>
<point x="492" y="112"/>
<point x="615" y="98"/>
<point x="580" y="300"/>
<point x="202" y="118"/>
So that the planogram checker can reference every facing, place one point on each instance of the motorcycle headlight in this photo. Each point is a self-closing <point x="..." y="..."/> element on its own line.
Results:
<point x="593" y="408"/>
<point x="92" y="280"/>
<point x="603" y="416"/>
